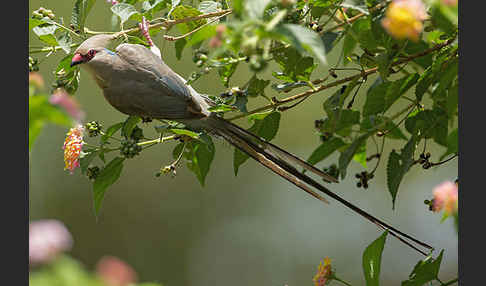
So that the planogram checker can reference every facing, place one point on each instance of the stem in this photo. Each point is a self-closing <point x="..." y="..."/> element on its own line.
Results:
<point x="49" y="49"/>
<point x="342" y="281"/>
<point x="158" y="140"/>
<point x="449" y="282"/>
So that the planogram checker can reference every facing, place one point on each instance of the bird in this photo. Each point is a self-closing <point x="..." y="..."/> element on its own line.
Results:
<point x="137" y="82"/>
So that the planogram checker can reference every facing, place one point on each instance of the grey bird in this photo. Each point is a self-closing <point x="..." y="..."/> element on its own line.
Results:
<point x="137" y="82"/>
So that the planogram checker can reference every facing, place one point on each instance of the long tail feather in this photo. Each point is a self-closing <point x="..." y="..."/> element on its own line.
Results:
<point x="264" y="153"/>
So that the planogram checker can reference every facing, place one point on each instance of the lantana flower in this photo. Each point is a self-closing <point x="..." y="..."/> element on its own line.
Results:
<point x="404" y="19"/>
<point x="324" y="272"/>
<point x="47" y="239"/>
<point x="72" y="148"/>
<point x="446" y="198"/>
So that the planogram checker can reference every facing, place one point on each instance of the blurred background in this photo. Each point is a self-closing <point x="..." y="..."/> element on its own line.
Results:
<point x="254" y="229"/>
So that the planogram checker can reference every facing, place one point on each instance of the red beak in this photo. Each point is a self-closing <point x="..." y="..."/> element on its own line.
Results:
<point x="77" y="59"/>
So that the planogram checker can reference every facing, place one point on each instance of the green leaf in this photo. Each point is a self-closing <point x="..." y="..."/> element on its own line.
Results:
<point x="209" y="7"/>
<point x="391" y="130"/>
<point x="349" y="45"/>
<point x="372" y="260"/>
<point x="199" y="156"/>
<point x="304" y="39"/>
<point x="226" y="71"/>
<point x="424" y="271"/>
<point x="398" y="165"/>
<point x="295" y="67"/>
<point x="452" y="144"/>
<point x="381" y="97"/>
<point x="429" y="124"/>
<point x="328" y="40"/>
<point x="326" y="149"/>
<point x="80" y="13"/>
<point x="126" y="12"/>
<point x="266" y="126"/>
<point x="65" y="41"/>
<point x="85" y="159"/>
<point x="256" y="8"/>
<point x="256" y="87"/>
<point x="222" y="108"/>
<point x="110" y="131"/>
<point x="129" y="125"/>
<point x="46" y="34"/>
<point x="179" y="46"/>
<point x="107" y="176"/>
<point x="360" y="155"/>
<point x="202" y="35"/>
<point x="348" y="153"/>
<point x="181" y="12"/>
<point x="173" y="6"/>
<point x="35" y="22"/>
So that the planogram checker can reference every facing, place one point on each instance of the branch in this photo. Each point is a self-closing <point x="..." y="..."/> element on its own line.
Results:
<point x="362" y="74"/>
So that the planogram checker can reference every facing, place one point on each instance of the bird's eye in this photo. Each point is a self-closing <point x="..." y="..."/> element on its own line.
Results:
<point x="91" y="53"/>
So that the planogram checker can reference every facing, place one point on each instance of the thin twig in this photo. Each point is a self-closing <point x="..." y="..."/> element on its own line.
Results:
<point x="354" y="18"/>
<point x="171" y="38"/>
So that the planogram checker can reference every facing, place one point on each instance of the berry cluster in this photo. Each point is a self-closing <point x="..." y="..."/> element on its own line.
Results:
<point x="130" y="148"/>
<point x="93" y="172"/>
<point x="424" y="160"/>
<point x="33" y="64"/>
<point x="364" y="177"/>
<point x="43" y="12"/>
<point x="94" y="128"/>
<point x="200" y="57"/>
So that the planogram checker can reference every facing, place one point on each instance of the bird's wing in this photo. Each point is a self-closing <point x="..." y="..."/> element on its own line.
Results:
<point x="157" y="75"/>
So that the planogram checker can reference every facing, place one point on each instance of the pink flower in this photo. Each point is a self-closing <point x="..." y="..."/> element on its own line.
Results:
<point x="404" y="19"/>
<point x="115" y="272"/>
<point x="112" y="2"/>
<point x="323" y="273"/>
<point x="36" y="79"/>
<point x="72" y="148"/>
<point x="68" y="103"/>
<point x="47" y="239"/>
<point x="445" y="197"/>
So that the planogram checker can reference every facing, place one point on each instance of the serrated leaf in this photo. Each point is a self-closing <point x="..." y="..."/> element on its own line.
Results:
<point x="209" y="7"/>
<point x="372" y="260"/>
<point x="179" y="46"/>
<point x="86" y="159"/>
<point x="381" y="97"/>
<point x="110" y="131"/>
<point x="46" y="34"/>
<point x="126" y="12"/>
<point x="348" y="154"/>
<point x="398" y="165"/>
<point x="226" y="71"/>
<point x="429" y="124"/>
<point x="129" y="125"/>
<point x="181" y="12"/>
<point x="424" y="271"/>
<point x="326" y="149"/>
<point x="107" y="176"/>
<point x="65" y="41"/>
<point x="266" y="126"/>
<point x="80" y="13"/>
<point x="35" y="22"/>
<point x="295" y="67"/>
<point x="304" y="39"/>
<point x="256" y="87"/>
<point x="200" y="158"/>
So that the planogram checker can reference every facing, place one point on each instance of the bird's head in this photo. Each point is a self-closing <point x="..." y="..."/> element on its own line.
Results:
<point x="89" y="48"/>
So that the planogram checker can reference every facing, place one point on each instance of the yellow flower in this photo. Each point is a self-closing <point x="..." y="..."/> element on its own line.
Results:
<point x="404" y="19"/>
<point x="324" y="272"/>
<point x="72" y="148"/>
